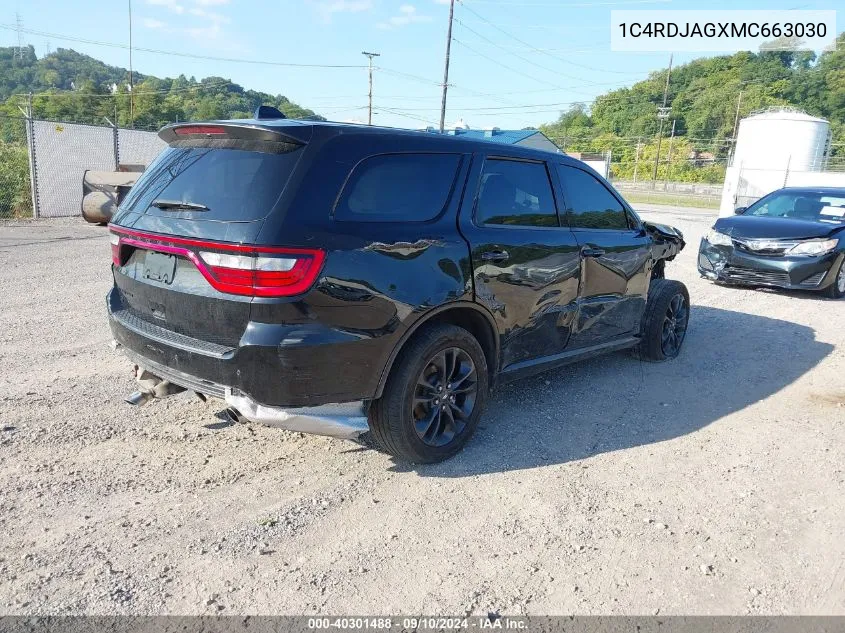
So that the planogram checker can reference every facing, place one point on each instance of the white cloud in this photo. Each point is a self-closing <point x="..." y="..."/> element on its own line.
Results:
<point x="329" y="9"/>
<point x="210" y="32"/>
<point x="211" y="16"/>
<point x="407" y="15"/>
<point x="207" y="28"/>
<point x="171" y="5"/>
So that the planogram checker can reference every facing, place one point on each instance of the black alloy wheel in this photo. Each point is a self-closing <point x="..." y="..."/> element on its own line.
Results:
<point x="444" y="397"/>
<point x="434" y="395"/>
<point x="665" y="321"/>
<point x="674" y="326"/>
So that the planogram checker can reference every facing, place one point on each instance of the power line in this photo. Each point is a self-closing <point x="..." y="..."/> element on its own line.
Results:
<point x="408" y="116"/>
<point x="538" y="50"/>
<point x="399" y="73"/>
<point x="524" y="59"/>
<point x="163" y="91"/>
<point x="10" y="27"/>
<point x="610" y="3"/>
<point x="505" y="66"/>
<point x="425" y="80"/>
<point x="559" y="27"/>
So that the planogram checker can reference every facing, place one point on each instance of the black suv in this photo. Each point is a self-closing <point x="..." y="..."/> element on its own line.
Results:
<point x="339" y="279"/>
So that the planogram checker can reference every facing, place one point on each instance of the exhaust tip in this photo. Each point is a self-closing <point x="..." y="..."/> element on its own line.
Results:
<point x="138" y="398"/>
<point x="234" y="416"/>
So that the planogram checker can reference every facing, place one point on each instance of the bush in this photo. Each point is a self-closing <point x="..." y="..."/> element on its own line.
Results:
<point x="15" y="196"/>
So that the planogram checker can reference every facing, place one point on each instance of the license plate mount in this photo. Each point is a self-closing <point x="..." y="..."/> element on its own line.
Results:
<point x="160" y="267"/>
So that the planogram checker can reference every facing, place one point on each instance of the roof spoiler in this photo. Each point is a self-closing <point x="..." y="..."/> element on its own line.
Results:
<point x="233" y="130"/>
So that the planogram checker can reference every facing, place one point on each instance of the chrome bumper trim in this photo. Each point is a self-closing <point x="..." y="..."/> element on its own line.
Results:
<point x="346" y="420"/>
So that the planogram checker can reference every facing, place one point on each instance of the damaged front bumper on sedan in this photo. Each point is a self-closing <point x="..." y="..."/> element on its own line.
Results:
<point x="729" y="264"/>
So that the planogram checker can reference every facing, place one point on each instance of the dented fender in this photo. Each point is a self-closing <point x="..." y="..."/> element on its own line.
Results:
<point x="668" y="241"/>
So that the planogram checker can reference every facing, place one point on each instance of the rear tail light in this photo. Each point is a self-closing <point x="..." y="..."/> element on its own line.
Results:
<point x="259" y="271"/>
<point x="234" y="268"/>
<point x="115" y="248"/>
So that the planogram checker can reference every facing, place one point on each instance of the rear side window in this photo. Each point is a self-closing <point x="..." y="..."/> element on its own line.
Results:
<point x="589" y="204"/>
<point x="515" y="193"/>
<point x="233" y="184"/>
<point x="398" y="188"/>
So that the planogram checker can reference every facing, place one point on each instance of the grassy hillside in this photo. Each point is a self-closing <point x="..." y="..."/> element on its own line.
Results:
<point x="703" y="96"/>
<point x="71" y="86"/>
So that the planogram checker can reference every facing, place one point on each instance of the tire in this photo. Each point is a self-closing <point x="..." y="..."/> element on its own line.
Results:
<point x="405" y="421"/>
<point x="667" y="309"/>
<point x="836" y="290"/>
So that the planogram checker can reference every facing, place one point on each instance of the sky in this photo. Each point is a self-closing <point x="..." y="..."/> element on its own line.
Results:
<point x="513" y="63"/>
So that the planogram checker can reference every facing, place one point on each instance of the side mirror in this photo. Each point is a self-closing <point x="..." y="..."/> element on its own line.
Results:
<point x="739" y="210"/>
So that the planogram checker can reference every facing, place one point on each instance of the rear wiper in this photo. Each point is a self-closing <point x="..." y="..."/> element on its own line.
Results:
<point x="178" y="205"/>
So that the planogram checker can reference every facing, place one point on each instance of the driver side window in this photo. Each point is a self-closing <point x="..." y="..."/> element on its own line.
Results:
<point x="515" y="193"/>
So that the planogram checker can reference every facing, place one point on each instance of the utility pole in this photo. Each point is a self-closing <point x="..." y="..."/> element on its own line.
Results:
<point x="669" y="165"/>
<point x="736" y="125"/>
<point x="662" y="114"/>
<point x="131" y="97"/>
<point x="370" y="58"/>
<point x="637" y="160"/>
<point x="446" y="68"/>
<point x="736" y="118"/>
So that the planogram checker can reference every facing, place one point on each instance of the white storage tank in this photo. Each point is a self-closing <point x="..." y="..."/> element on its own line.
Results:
<point x="782" y="138"/>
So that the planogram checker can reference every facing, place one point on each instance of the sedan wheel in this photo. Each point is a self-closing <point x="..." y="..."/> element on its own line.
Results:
<point x="836" y="290"/>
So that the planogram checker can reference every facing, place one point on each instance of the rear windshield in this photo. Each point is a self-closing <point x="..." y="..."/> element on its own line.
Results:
<point x="214" y="184"/>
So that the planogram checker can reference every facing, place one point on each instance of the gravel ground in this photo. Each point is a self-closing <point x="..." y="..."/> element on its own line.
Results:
<point x="712" y="484"/>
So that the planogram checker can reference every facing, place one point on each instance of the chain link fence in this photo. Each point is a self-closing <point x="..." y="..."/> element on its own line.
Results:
<point x="42" y="162"/>
<point x="137" y="147"/>
<point x="63" y="151"/>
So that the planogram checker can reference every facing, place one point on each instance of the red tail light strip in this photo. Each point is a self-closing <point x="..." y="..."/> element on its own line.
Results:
<point x="247" y="282"/>
<point x="200" y="129"/>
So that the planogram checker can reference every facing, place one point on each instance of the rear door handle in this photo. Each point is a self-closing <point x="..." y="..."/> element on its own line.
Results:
<point x="591" y="252"/>
<point x="495" y="256"/>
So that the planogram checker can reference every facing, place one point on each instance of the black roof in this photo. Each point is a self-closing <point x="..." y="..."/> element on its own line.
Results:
<point x="302" y="130"/>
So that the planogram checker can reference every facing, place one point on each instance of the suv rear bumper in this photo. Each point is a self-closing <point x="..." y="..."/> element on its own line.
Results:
<point x="345" y="420"/>
<point x="276" y="366"/>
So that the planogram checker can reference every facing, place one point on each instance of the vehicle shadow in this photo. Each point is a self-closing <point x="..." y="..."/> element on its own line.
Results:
<point x="730" y="360"/>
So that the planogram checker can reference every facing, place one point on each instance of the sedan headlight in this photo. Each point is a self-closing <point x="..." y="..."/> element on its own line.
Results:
<point x="814" y="247"/>
<point x="718" y="239"/>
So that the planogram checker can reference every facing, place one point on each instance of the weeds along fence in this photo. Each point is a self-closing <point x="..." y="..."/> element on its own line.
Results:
<point x="15" y="181"/>
<point x="42" y="162"/>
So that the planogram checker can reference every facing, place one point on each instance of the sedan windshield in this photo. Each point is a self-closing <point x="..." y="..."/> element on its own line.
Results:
<point x="799" y="205"/>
